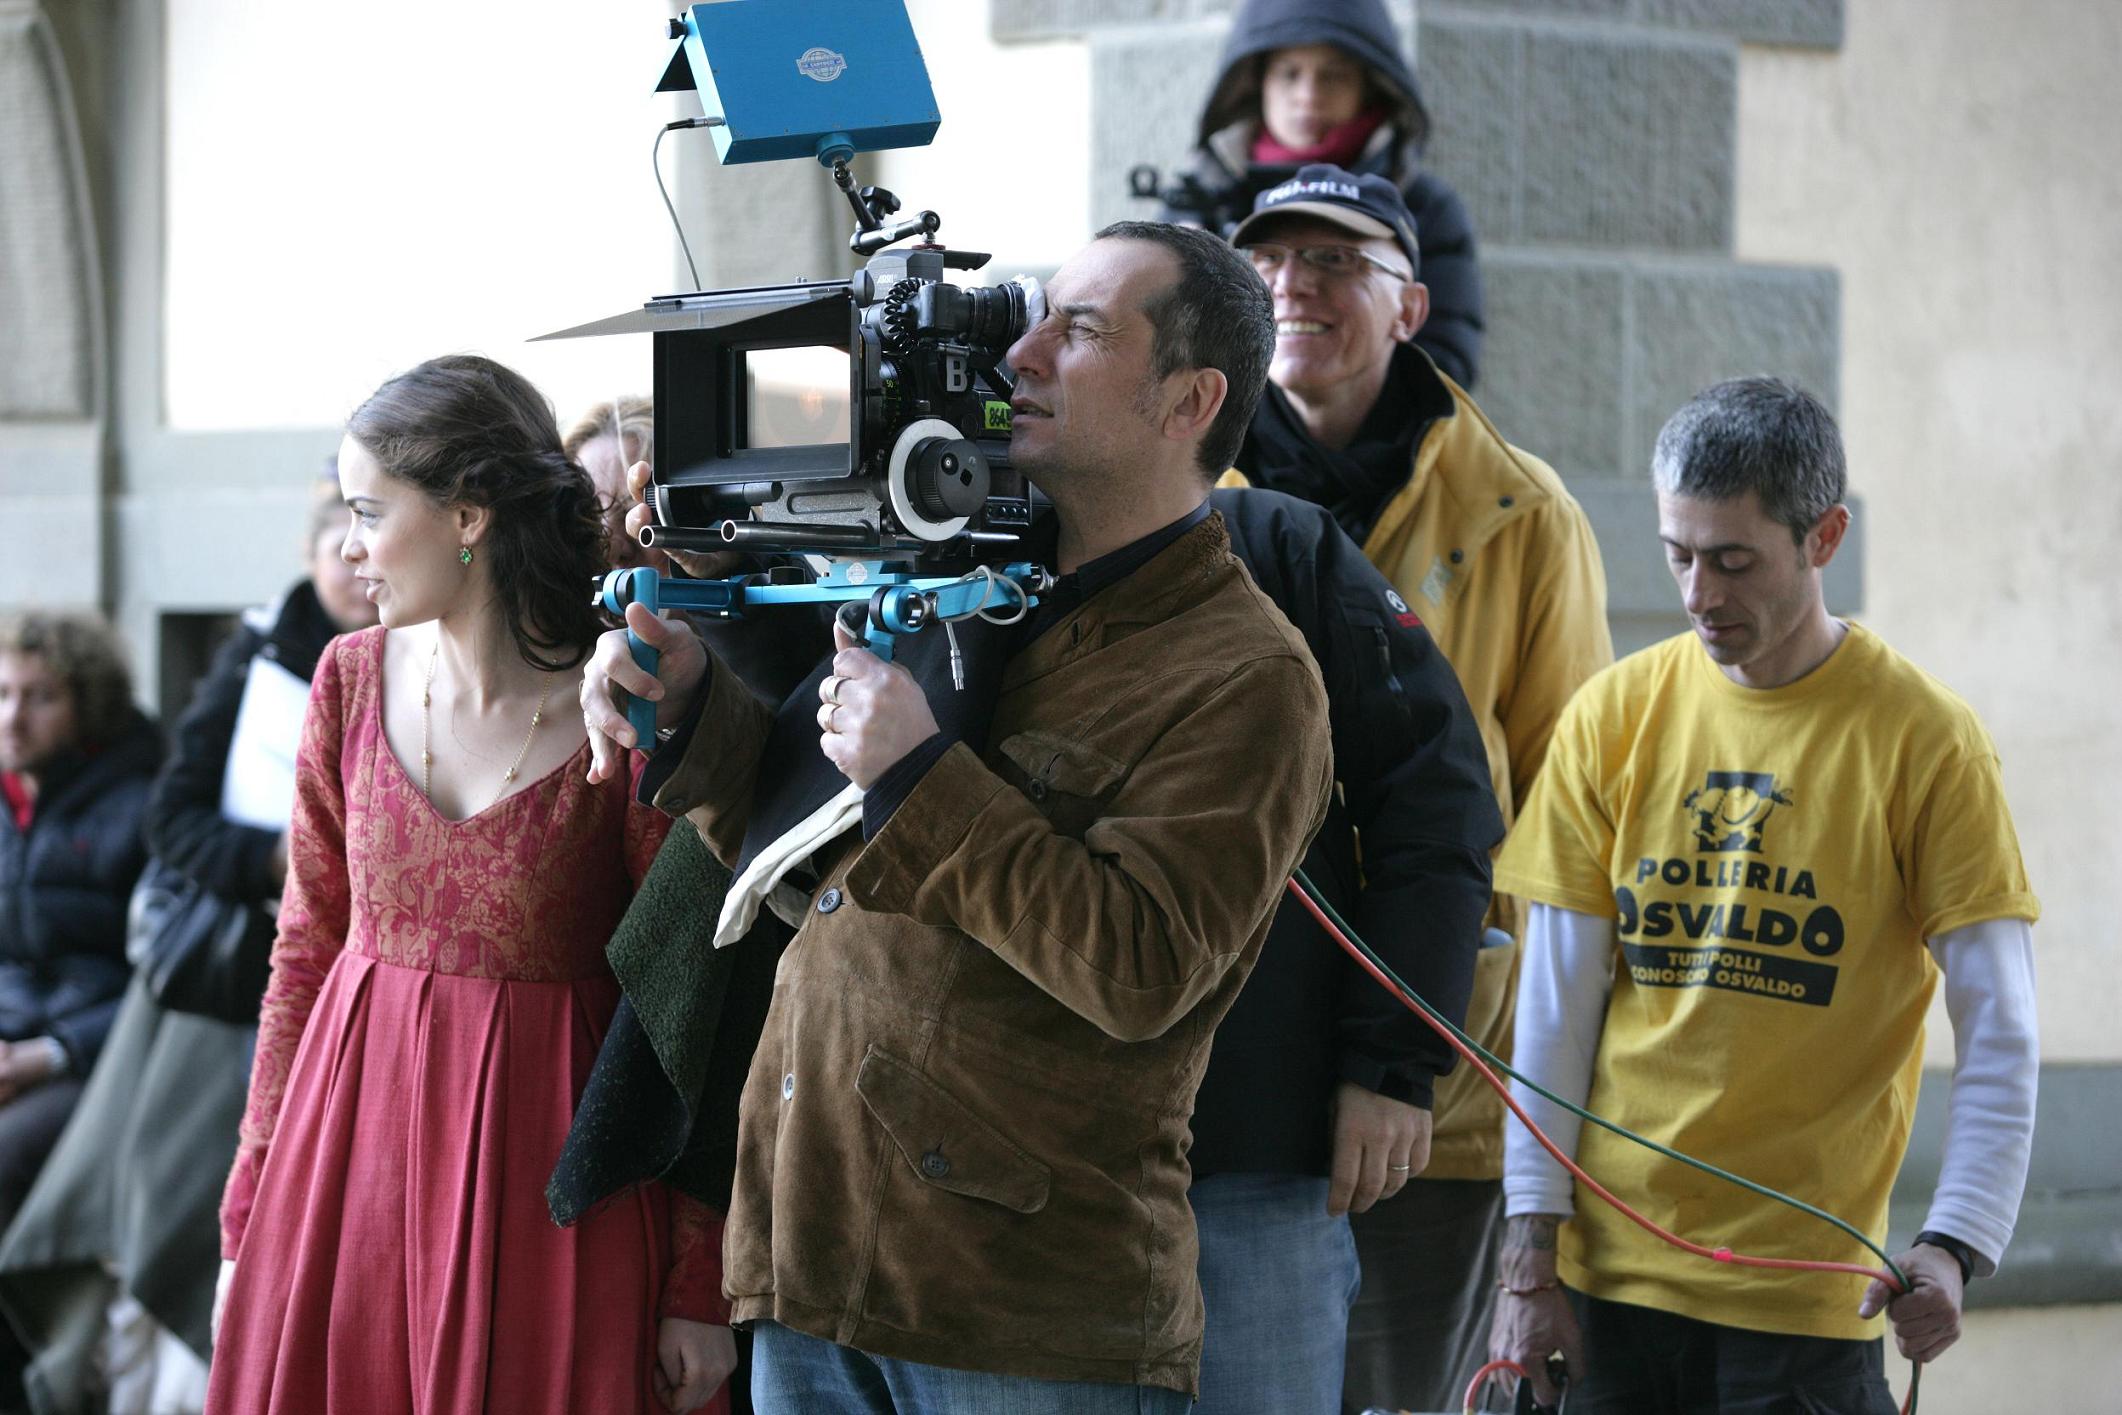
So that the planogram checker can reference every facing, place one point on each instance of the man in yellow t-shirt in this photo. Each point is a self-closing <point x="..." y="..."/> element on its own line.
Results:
<point x="1752" y="853"/>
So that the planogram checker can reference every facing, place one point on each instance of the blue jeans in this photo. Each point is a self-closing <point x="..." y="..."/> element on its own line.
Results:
<point x="796" y="1374"/>
<point x="1278" y="1276"/>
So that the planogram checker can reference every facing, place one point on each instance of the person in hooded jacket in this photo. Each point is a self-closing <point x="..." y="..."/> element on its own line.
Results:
<point x="1309" y="81"/>
<point x="76" y="761"/>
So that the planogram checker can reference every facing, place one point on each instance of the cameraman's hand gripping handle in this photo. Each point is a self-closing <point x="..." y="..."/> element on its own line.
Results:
<point x="642" y="587"/>
<point x="876" y="614"/>
<point x="653" y="592"/>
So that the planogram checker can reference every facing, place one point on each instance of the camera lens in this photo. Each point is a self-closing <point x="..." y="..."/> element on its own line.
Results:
<point x="1001" y="313"/>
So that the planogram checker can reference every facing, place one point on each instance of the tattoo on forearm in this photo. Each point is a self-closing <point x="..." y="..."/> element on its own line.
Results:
<point x="1535" y="1231"/>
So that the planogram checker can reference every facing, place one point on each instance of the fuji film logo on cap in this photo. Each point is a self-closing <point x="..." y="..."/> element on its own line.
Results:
<point x="1347" y="191"/>
<point x="822" y="64"/>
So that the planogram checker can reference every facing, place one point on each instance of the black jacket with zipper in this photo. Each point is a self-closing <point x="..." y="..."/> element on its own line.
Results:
<point x="1414" y="791"/>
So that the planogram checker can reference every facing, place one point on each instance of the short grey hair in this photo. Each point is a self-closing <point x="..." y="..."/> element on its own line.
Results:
<point x="1763" y="435"/>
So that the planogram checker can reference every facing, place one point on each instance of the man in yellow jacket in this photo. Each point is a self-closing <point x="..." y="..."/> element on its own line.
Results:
<point x="1490" y="552"/>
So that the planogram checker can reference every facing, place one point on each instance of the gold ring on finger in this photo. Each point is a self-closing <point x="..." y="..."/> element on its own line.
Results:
<point x="832" y="719"/>
<point x="831" y="690"/>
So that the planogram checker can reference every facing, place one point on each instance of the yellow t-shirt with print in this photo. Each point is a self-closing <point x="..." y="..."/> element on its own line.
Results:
<point x="1773" y="861"/>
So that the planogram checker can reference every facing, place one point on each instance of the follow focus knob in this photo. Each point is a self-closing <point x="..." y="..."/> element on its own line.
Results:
<point x="949" y="478"/>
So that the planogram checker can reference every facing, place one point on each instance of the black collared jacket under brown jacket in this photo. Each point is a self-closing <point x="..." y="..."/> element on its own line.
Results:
<point x="963" y="1138"/>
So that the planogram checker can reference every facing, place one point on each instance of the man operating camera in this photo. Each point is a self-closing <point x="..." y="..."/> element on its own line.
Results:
<point x="961" y="1181"/>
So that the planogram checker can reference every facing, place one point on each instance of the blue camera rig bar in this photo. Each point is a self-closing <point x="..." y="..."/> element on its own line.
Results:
<point x="899" y="603"/>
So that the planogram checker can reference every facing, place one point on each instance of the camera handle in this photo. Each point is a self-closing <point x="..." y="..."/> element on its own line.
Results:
<point x="897" y="603"/>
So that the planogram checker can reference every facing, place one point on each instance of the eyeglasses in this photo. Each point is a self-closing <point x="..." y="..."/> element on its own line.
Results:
<point x="1333" y="262"/>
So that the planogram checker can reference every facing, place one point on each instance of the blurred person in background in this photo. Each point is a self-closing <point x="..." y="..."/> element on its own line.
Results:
<point x="605" y="442"/>
<point x="108" y="1270"/>
<point x="1309" y="81"/>
<point x="439" y="986"/>
<point x="76" y="762"/>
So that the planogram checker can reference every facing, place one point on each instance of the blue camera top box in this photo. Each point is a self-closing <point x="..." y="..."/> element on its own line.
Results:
<point x="805" y="78"/>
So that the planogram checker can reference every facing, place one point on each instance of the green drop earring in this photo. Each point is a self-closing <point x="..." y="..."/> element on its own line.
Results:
<point x="464" y="555"/>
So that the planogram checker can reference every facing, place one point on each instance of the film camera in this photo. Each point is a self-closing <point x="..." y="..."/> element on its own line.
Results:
<point x="904" y="452"/>
<point x="888" y="472"/>
<point x="897" y="444"/>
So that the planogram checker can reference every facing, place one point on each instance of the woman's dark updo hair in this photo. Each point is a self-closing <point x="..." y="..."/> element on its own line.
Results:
<point x="469" y="432"/>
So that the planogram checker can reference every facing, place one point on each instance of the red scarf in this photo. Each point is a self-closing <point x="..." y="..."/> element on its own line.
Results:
<point x="19" y="802"/>
<point x="1340" y="146"/>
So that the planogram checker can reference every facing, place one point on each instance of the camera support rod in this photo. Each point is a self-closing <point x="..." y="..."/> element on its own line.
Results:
<point x="898" y="604"/>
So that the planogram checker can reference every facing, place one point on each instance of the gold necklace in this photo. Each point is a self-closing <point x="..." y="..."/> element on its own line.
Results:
<point x="427" y="703"/>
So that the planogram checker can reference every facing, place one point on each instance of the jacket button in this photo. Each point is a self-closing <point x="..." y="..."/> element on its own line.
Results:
<point x="788" y="1086"/>
<point x="1457" y="556"/>
<point x="828" y="901"/>
<point x="934" y="1165"/>
<point x="1037" y="789"/>
<point x="1505" y="502"/>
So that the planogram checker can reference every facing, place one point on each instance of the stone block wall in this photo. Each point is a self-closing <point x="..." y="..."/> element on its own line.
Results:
<point x="1595" y="144"/>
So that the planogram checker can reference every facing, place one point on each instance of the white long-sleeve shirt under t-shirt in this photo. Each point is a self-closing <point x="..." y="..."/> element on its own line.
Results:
<point x="1567" y="974"/>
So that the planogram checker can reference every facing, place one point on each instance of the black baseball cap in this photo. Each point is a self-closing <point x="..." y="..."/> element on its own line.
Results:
<point x="1368" y="205"/>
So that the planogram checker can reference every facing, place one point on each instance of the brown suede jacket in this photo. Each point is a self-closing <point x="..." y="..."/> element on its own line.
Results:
<point x="963" y="1139"/>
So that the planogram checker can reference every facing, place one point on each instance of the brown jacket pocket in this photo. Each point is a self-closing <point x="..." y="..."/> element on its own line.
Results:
<point x="945" y="1143"/>
<point x="1068" y="781"/>
<point x="1060" y="763"/>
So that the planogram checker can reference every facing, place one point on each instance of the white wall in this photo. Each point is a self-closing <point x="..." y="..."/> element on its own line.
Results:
<point x="1009" y="170"/>
<point x="1957" y="162"/>
<point x="352" y="190"/>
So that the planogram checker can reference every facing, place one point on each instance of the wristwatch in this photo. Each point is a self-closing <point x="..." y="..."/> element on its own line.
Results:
<point x="1962" y="1254"/>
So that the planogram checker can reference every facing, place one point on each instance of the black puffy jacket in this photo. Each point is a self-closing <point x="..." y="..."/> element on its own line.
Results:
<point x="1415" y="791"/>
<point x="64" y="886"/>
<point x="1226" y="179"/>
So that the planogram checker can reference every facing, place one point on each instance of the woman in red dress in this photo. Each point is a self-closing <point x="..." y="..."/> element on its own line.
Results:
<point x="439" y="989"/>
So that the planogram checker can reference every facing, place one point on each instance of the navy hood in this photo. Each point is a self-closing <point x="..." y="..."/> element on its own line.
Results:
<point x="1360" y="27"/>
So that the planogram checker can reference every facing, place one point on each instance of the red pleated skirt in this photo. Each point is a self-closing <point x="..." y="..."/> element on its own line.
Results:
<point x="399" y="1259"/>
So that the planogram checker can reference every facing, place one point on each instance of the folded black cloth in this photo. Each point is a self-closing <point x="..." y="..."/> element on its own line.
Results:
<point x="661" y="1102"/>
